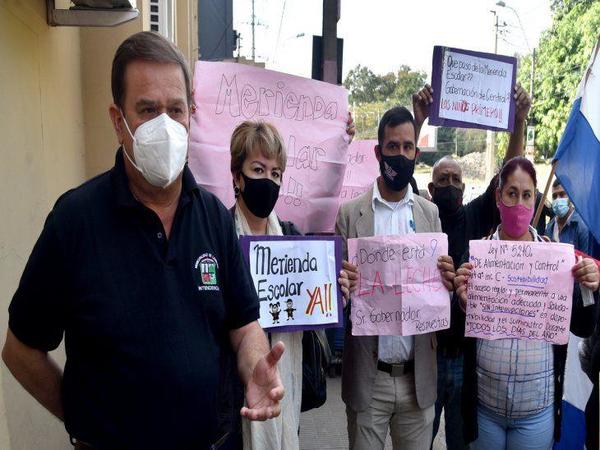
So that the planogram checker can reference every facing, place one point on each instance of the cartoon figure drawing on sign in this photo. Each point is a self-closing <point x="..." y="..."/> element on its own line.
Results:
<point x="275" y="310"/>
<point x="290" y="309"/>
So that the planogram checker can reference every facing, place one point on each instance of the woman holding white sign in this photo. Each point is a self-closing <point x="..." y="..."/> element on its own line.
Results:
<point x="513" y="388"/>
<point x="258" y="160"/>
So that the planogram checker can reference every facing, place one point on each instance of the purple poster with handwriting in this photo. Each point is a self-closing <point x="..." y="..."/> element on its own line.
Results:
<point x="472" y="89"/>
<point x="310" y="116"/>
<point x="400" y="290"/>
<point x="520" y="290"/>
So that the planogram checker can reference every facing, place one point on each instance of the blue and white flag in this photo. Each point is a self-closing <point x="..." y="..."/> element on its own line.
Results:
<point x="576" y="392"/>
<point x="578" y="153"/>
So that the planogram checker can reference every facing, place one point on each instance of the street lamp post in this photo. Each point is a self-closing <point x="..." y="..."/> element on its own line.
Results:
<point x="530" y="148"/>
<point x="504" y="5"/>
<point x="296" y="36"/>
<point x="490" y="152"/>
<point x="253" y="24"/>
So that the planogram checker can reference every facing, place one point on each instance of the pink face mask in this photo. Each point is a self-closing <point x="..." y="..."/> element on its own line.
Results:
<point x="515" y="219"/>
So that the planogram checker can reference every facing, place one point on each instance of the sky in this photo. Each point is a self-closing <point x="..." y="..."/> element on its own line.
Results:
<point x="386" y="34"/>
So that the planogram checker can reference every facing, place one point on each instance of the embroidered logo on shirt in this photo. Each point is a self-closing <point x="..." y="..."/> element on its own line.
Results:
<point x="206" y="269"/>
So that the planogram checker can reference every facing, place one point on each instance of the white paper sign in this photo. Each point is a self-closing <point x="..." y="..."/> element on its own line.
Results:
<point x="475" y="89"/>
<point x="296" y="282"/>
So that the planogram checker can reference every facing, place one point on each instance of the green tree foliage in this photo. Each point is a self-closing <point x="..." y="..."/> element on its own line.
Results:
<point x="366" y="117"/>
<point x="562" y="7"/>
<point x="563" y="54"/>
<point x="460" y="141"/>
<point x="407" y="83"/>
<point x="371" y="95"/>
<point x="362" y="84"/>
<point x="561" y="58"/>
<point x="393" y="88"/>
<point x="523" y="77"/>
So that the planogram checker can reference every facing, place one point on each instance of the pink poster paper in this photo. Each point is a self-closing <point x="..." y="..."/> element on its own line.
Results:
<point x="362" y="169"/>
<point x="311" y="117"/>
<point x="520" y="290"/>
<point x="400" y="292"/>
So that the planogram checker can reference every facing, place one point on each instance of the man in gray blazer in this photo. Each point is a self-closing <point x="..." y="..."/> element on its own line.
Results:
<point x="390" y="382"/>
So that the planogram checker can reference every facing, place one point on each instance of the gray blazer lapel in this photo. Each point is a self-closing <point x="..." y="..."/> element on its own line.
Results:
<point x="365" y="224"/>
<point x="421" y="224"/>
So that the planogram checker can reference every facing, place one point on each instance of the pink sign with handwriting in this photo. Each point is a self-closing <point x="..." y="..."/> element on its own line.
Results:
<point x="311" y="117"/>
<point x="361" y="170"/>
<point x="520" y="290"/>
<point x="400" y="291"/>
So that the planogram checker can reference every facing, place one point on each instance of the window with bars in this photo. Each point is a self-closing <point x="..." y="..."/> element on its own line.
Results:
<point x="162" y="18"/>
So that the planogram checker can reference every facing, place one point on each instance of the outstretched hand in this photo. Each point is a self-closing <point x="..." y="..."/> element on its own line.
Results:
<point x="265" y="390"/>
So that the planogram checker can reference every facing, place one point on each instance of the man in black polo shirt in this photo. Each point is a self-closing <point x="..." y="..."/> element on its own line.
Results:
<point x="141" y="270"/>
<point x="461" y="223"/>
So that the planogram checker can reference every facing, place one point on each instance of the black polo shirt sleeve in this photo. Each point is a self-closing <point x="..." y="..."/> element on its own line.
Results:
<point x="36" y="311"/>
<point x="241" y="300"/>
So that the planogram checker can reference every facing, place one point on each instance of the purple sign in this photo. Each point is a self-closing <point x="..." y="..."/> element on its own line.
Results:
<point x="295" y="278"/>
<point x="472" y="89"/>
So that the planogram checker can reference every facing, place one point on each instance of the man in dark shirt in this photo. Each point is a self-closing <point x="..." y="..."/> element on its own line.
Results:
<point x="140" y="269"/>
<point x="461" y="223"/>
<point x="567" y="226"/>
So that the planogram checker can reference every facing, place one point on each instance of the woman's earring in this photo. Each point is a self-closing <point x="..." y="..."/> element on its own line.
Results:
<point x="236" y="191"/>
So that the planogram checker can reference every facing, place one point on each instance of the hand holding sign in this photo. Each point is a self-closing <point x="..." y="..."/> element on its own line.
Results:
<point x="446" y="266"/>
<point x="523" y="101"/>
<point x="421" y="101"/>
<point x="347" y="280"/>
<point x="352" y="272"/>
<point x="586" y="273"/>
<point x="350" y="127"/>
<point x="460" y="284"/>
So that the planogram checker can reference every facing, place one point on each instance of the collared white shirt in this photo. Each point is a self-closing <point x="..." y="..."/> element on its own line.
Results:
<point x="394" y="218"/>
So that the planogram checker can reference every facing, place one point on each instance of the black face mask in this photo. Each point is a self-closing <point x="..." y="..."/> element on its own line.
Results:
<point x="448" y="199"/>
<point x="396" y="171"/>
<point x="260" y="195"/>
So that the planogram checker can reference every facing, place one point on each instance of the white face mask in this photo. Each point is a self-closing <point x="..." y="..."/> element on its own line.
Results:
<point x="160" y="149"/>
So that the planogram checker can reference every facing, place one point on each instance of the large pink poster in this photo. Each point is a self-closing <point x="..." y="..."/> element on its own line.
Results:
<point x="362" y="169"/>
<point x="520" y="290"/>
<point x="311" y="117"/>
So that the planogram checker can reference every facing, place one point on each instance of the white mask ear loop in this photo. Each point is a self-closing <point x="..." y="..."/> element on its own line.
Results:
<point x="126" y="124"/>
<point x="133" y="138"/>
